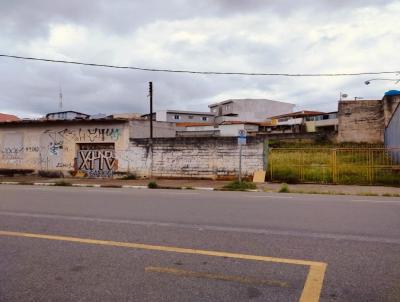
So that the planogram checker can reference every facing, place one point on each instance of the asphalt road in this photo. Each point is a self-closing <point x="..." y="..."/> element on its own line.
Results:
<point x="92" y="244"/>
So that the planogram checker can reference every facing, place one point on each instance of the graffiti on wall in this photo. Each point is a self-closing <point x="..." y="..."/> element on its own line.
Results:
<point x="97" y="163"/>
<point x="58" y="138"/>
<point x="12" y="147"/>
<point x="55" y="148"/>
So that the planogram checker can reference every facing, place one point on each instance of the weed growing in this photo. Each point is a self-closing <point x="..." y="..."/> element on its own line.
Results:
<point x="63" y="183"/>
<point x="284" y="188"/>
<point x="129" y="177"/>
<point x="240" y="186"/>
<point x="152" y="185"/>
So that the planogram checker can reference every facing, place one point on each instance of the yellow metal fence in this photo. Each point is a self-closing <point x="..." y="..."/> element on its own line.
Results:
<point x="335" y="165"/>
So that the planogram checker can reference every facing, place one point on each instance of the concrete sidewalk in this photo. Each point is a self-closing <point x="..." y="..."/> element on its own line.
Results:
<point x="333" y="189"/>
<point x="208" y="184"/>
<point x="168" y="183"/>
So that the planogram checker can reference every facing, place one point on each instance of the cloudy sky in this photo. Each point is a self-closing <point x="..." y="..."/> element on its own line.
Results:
<point x="265" y="36"/>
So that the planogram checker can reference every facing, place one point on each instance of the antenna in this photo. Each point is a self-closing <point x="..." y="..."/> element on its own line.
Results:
<point x="60" y="104"/>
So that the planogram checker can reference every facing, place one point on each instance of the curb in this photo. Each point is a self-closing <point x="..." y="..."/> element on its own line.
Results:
<point x="43" y="183"/>
<point x="203" y="188"/>
<point x="47" y="184"/>
<point x="134" y="187"/>
<point x="86" y="185"/>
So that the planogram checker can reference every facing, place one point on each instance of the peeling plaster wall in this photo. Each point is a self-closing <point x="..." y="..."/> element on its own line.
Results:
<point x="205" y="157"/>
<point x="54" y="147"/>
<point x="50" y="146"/>
<point x="361" y="121"/>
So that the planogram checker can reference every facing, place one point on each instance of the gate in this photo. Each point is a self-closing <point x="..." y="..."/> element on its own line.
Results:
<point x="335" y="165"/>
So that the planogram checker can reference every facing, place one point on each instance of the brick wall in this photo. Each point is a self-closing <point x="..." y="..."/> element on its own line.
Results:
<point x="206" y="157"/>
<point x="361" y="121"/>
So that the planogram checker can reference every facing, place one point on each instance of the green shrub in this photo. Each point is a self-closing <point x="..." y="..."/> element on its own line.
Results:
<point x="284" y="188"/>
<point x="240" y="186"/>
<point x="152" y="185"/>
<point x="50" y="174"/>
<point x="129" y="176"/>
<point x="287" y="176"/>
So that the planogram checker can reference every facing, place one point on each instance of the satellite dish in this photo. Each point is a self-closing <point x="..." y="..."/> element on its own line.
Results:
<point x="344" y="95"/>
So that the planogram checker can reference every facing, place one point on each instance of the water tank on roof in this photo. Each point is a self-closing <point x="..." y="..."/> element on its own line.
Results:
<point x="392" y="92"/>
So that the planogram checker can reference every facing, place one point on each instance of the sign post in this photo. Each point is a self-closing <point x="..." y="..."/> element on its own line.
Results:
<point x="241" y="141"/>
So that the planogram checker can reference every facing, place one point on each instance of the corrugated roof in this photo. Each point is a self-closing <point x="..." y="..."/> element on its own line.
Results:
<point x="238" y="123"/>
<point x="298" y="114"/>
<point x="77" y="121"/>
<point x="67" y="111"/>
<point x="233" y="100"/>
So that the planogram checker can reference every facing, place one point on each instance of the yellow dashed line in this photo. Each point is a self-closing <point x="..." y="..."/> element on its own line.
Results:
<point x="239" y="279"/>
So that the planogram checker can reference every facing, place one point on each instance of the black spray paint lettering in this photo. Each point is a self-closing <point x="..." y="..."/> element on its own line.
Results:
<point x="96" y="160"/>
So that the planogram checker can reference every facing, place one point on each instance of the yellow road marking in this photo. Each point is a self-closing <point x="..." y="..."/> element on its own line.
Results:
<point x="312" y="287"/>
<point x="239" y="279"/>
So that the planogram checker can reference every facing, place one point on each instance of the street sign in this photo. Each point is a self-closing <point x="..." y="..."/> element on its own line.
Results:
<point x="242" y="137"/>
<point x="242" y="133"/>
<point x="241" y="140"/>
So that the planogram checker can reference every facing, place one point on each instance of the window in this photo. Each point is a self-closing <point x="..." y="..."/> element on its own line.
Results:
<point x="190" y="117"/>
<point x="177" y="117"/>
<point x="204" y="118"/>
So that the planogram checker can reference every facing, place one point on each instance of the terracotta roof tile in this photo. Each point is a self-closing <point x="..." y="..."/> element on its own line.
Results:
<point x="8" y="117"/>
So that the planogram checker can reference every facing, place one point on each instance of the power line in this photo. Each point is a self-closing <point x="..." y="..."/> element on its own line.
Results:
<point x="204" y="72"/>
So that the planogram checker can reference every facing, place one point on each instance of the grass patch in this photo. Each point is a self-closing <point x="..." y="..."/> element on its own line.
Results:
<point x="317" y="164"/>
<point x="62" y="183"/>
<point x="319" y="192"/>
<point x="188" y="188"/>
<point x="129" y="177"/>
<point x="152" y="185"/>
<point x="391" y="195"/>
<point x="239" y="186"/>
<point x="367" y="194"/>
<point x="284" y="188"/>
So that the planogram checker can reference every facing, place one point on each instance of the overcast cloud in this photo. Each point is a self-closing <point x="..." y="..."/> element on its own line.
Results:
<point x="320" y="36"/>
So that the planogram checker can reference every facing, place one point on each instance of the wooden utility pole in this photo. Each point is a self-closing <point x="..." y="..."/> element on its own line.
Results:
<point x="151" y="109"/>
<point x="151" y="128"/>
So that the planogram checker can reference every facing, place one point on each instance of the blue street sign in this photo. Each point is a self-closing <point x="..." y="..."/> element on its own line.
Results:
<point x="241" y="140"/>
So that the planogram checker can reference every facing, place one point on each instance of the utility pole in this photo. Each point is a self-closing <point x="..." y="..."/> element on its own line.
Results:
<point x="60" y="104"/>
<point x="240" y="163"/>
<point x="151" y="109"/>
<point x="151" y="128"/>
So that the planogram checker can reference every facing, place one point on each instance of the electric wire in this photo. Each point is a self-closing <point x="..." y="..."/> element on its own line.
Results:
<point x="202" y="72"/>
